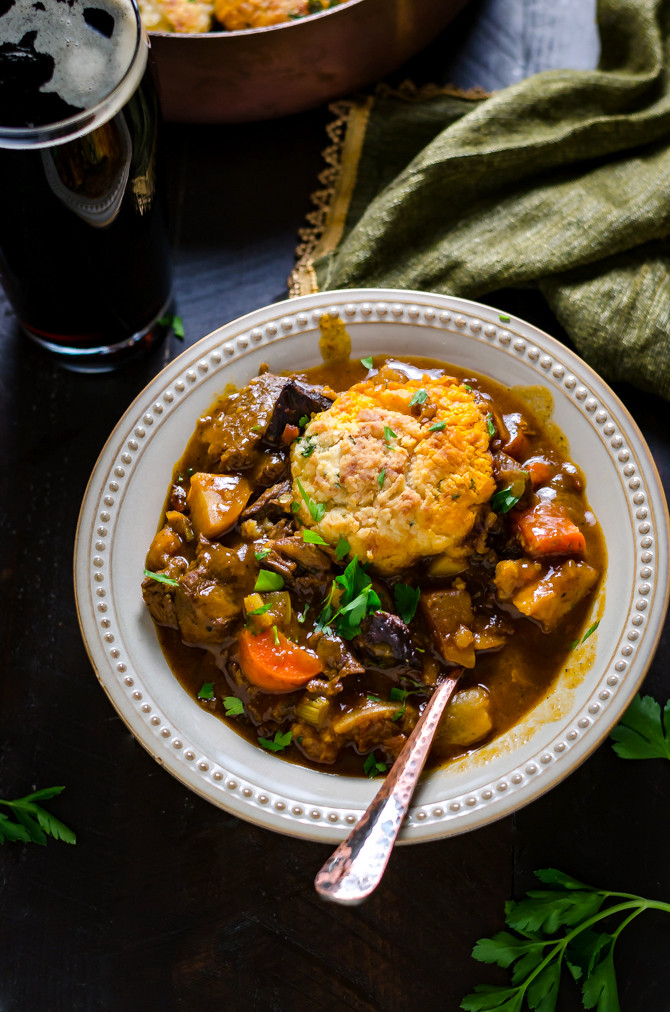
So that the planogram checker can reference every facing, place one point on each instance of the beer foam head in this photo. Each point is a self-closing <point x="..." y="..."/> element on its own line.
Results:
<point x="92" y="44"/>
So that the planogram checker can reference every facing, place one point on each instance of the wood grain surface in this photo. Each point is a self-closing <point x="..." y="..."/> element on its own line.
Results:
<point x="166" y="902"/>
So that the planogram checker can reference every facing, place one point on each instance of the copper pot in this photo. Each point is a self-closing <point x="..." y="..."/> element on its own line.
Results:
<point x="262" y="73"/>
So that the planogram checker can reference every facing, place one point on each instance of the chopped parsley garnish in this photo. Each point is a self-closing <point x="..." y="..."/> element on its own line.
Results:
<point x="295" y="506"/>
<point x="419" y="397"/>
<point x="275" y="635"/>
<point x="374" y="767"/>
<point x="357" y="599"/>
<point x="504" y="500"/>
<point x="261" y="609"/>
<point x="342" y="548"/>
<point x="233" y="706"/>
<point x="161" y="579"/>
<point x="406" y="601"/>
<point x="381" y="476"/>
<point x="388" y="435"/>
<point x="373" y="697"/>
<point x="255" y="428"/>
<point x="367" y="362"/>
<point x="309" y="447"/>
<point x="468" y="388"/>
<point x="261" y="554"/>
<point x="438" y="427"/>
<point x="268" y="580"/>
<point x="491" y="429"/>
<point x="316" y="509"/>
<point x="302" y="615"/>
<point x="503" y="318"/>
<point x="176" y="322"/>
<point x="590" y="632"/>
<point x="33" y="823"/>
<point x="206" y="691"/>
<point x="398" y="695"/>
<point x="312" y="538"/>
<point x="278" y="743"/>
<point x="302" y="422"/>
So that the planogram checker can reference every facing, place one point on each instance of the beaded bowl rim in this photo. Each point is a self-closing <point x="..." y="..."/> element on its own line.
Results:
<point x="210" y="758"/>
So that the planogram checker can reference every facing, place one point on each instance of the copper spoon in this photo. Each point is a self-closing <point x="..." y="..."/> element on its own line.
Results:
<point x="356" y="867"/>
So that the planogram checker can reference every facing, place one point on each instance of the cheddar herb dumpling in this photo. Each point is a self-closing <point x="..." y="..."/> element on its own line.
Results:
<point x="402" y="466"/>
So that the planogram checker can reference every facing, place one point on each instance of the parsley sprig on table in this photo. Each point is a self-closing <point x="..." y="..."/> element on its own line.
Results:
<point x="29" y="822"/>
<point x="643" y="732"/>
<point x="553" y="927"/>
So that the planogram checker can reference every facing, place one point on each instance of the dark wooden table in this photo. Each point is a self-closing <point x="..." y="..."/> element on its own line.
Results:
<point x="167" y="902"/>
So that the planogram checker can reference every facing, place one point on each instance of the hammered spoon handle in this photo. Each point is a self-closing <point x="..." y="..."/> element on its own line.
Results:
<point x="356" y="867"/>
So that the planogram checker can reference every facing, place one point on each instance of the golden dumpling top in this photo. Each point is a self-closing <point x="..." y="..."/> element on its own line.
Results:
<point x="402" y="467"/>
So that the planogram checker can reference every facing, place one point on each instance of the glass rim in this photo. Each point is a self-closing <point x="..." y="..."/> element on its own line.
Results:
<point x="74" y="126"/>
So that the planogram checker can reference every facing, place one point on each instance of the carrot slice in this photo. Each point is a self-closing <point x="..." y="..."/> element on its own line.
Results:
<point x="276" y="664"/>
<point x="539" y="469"/>
<point x="546" y="529"/>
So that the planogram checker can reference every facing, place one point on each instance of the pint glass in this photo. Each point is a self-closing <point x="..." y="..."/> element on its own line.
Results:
<point x="84" y="250"/>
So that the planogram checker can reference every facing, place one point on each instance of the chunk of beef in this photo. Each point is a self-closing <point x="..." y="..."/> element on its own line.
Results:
<point x="233" y="436"/>
<point x="158" y="598"/>
<point x="295" y="400"/>
<point x="386" y="642"/>
<point x="336" y="659"/>
<point x="319" y="746"/>
<point x="450" y="616"/>
<point x="309" y="556"/>
<point x="274" y="502"/>
<point x="209" y="595"/>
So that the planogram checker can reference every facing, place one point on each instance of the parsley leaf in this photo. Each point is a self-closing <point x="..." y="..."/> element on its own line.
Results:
<point x="388" y="435"/>
<point x="438" y="427"/>
<point x="278" y="743"/>
<point x="161" y="579"/>
<point x="316" y="509"/>
<point x="312" y="538"/>
<point x="503" y="318"/>
<point x="504" y="500"/>
<point x="234" y="706"/>
<point x="262" y="554"/>
<point x="262" y="608"/>
<point x="302" y="422"/>
<point x="267" y="580"/>
<point x="419" y="397"/>
<point x="590" y="631"/>
<point x="643" y="732"/>
<point x="206" y="691"/>
<point x="381" y="476"/>
<point x="373" y="766"/>
<point x="357" y="599"/>
<point x="29" y="822"/>
<point x="309" y="446"/>
<point x="367" y="362"/>
<point x="406" y="601"/>
<point x="490" y="427"/>
<point x="341" y="549"/>
<point x="552" y="925"/>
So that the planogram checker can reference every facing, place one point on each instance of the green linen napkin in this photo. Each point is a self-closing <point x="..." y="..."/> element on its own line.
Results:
<point x="560" y="182"/>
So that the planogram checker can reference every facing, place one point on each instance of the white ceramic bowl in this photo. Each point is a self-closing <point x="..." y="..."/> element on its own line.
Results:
<point x="126" y="493"/>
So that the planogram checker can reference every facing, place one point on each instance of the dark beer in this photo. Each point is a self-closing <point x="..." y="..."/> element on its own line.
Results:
<point x="84" y="251"/>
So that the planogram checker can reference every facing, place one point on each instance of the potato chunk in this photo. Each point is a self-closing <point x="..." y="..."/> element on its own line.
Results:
<point x="466" y="720"/>
<point x="215" y="502"/>
<point x="550" y="594"/>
